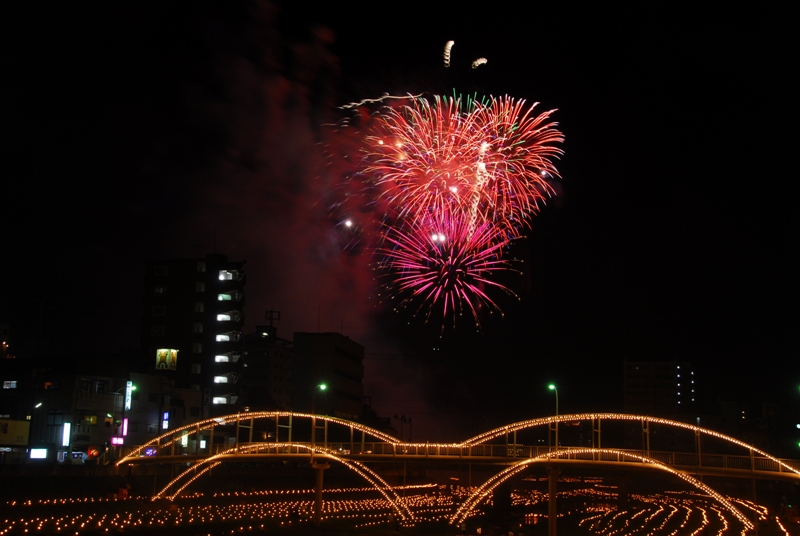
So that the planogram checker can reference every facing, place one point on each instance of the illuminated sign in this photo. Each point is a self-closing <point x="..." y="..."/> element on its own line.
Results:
<point x="117" y="441"/>
<point x="38" y="454"/>
<point x="125" y="426"/>
<point x="14" y="433"/>
<point x="166" y="359"/>
<point x="165" y="420"/>
<point x="128" y="390"/>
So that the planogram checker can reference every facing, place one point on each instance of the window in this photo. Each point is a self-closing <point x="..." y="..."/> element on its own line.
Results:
<point x="201" y="266"/>
<point x="159" y="290"/>
<point x="55" y="417"/>
<point x="90" y="419"/>
<point x="159" y="310"/>
<point x="198" y="327"/>
<point x="199" y="307"/>
<point x="197" y="348"/>
<point x="196" y="368"/>
<point x="200" y="286"/>
<point x="230" y="275"/>
<point x="10" y="384"/>
<point x="221" y="358"/>
<point x="50" y="385"/>
<point x="157" y="331"/>
<point x="220" y="379"/>
<point x="160" y="270"/>
<point x="219" y="400"/>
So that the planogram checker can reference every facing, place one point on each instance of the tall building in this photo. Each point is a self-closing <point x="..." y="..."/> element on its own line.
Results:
<point x="267" y="374"/>
<point x="659" y="388"/>
<point x="334" y="360"/>
<point x="192" y="327"/>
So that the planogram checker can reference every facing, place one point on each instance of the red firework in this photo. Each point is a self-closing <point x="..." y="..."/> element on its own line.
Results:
<point x="445" y="260"/>
<point x="491" y="159"/>
<point x="439" y="189"/>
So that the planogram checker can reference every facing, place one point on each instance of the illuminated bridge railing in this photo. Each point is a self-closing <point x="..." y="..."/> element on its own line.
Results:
<point x="502" y="453"/>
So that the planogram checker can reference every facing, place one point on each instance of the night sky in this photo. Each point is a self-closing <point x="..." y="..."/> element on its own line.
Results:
<point x="164" y="130"/>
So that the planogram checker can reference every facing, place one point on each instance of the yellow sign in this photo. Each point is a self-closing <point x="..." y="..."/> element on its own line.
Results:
<point x="166" y="359"/>
<point x="14" y="433"/>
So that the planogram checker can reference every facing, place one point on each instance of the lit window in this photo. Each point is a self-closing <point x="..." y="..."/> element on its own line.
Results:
<point x="219" y="400"/>
<point x="223" y="337"/>
<point x="220" y="379"/>
<point x="223" y="317"/>
<point x="221" y="358"/>
<point x="11" y="384"/>
<point x="230" y="275"/>
<point x="224" y="297"/>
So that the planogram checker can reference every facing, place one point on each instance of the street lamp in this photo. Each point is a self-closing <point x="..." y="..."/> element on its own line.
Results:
<point x="553" y="387"/>
<point x="318" y="387"/>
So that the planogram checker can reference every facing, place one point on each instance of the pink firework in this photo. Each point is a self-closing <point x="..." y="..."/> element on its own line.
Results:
<point x="445" y="260"/>
<point x="491" y="159"/>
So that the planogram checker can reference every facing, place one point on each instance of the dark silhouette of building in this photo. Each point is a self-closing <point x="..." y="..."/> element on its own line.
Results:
<point x="267" y="374"/>
<point x="334" y="360"/>
<point x="192" y="327"/>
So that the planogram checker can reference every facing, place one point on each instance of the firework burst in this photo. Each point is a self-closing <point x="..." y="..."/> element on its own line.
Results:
<point x="443" y="263"/>
<point x="442" y="187"/>
<point x="491" y="158"/>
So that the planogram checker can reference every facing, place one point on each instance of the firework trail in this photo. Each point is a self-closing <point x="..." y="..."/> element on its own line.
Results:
<point x="447" y="47"/>
<point x="480" y="61"/>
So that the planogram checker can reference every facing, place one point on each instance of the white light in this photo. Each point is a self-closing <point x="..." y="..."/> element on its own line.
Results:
<point x="38" y="454"/>
<point x="348" y="223"/>
<point x="65" y="434"/>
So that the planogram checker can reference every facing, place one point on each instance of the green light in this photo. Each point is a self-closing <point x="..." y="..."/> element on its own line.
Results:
<point x="322" y="386"/>
<point x="552" y="387"/>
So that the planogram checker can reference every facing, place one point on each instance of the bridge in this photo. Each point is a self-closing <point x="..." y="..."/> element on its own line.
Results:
<point x="325" y="440"/>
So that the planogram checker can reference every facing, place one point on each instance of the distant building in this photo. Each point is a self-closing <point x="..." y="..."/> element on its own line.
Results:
<point x="334" y="360"/>
<point x="192" y="327"/>
<point x="267" y="374"/>
<point x="70" y="417"/>
<point x="659" y="388"/>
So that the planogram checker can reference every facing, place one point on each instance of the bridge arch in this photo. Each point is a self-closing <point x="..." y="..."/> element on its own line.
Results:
<point x="487" y="487"/>
<point x="204" y="466"/>
<point x="171" y="437"/>
<point x="547" y="421"/>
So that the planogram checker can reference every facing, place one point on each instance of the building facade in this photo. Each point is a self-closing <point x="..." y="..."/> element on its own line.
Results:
<point x="332" y="359"/>
<point x="192" y="327"/>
